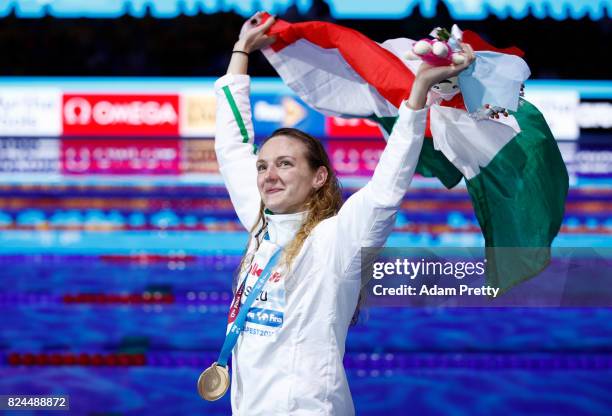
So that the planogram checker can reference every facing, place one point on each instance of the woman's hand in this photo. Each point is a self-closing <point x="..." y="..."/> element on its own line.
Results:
<point x="253" y="37"/>
<point x="428" y="76"/>
<point x="431" y="75"/>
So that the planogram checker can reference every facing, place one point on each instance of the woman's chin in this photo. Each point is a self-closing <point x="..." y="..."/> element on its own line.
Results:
<point x="275" y="204"/>
<point x="280" y="206"/>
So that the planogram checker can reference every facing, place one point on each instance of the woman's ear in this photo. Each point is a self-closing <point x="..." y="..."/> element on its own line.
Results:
<point x="320" y="177"/>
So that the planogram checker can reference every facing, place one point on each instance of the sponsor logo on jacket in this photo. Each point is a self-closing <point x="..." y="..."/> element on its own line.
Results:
<point x="256" y="270"/>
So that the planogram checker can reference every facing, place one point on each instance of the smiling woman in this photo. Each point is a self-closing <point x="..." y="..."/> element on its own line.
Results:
<point x="293" y="169"/>
<point x="304" y="249"/>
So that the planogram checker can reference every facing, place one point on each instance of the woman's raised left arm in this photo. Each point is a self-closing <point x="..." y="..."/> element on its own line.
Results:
<point x="367" y="218"/>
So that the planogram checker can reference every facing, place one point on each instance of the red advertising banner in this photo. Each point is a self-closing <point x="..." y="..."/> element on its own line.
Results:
<point x="351" y="128"/>
<point x="120" y="115"/>
<point x="355" y="158"/>
<point x="120" y="157"/>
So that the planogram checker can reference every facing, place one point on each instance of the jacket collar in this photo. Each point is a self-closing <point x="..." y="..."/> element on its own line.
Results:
<point x="283" y="227"/>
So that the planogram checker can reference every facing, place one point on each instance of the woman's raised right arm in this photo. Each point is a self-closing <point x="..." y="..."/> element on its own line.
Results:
<point x="234" y="136"/>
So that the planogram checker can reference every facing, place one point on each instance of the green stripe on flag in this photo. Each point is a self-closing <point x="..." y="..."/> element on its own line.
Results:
<point x="518" y="198"/>
<point x="236" y="112"/>
<point x="433" y="163"/>
<point x="519" y="201"/>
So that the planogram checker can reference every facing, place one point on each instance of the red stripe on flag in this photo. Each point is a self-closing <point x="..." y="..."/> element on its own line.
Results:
<point x="376" y="65"/>
<point x="479" y="44"/>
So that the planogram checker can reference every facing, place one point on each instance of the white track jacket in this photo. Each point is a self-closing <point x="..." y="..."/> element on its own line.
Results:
<point x="288" y="360"/>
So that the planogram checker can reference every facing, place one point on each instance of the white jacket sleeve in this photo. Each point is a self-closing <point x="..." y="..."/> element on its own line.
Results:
<point x="234" y="146"/>
<point x="367" y="218"/>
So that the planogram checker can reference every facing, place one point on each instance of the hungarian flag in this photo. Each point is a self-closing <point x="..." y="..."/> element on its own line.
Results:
<point x="512" y="166"/>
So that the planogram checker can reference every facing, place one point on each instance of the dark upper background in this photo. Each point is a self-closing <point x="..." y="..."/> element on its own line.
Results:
<point x="200" y="45"/>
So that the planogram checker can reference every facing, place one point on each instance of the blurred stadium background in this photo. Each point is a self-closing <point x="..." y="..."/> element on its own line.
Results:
<point x="118" y="239"/>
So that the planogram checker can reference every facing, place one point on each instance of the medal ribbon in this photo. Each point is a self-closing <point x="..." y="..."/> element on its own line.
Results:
<point x="235" y="306"/>
<point x="238" y="325"/>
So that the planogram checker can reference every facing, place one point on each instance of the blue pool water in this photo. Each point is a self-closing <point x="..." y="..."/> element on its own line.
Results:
<point x="545" y="361"/>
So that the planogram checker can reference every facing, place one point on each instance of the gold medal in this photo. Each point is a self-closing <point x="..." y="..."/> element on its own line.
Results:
<point x="213" y="382"/>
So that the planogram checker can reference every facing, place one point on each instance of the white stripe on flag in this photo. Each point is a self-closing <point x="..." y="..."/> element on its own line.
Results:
<point x="322" y="78"/>
<point x="467" y="143"/>
<point x="400" y="47"/>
